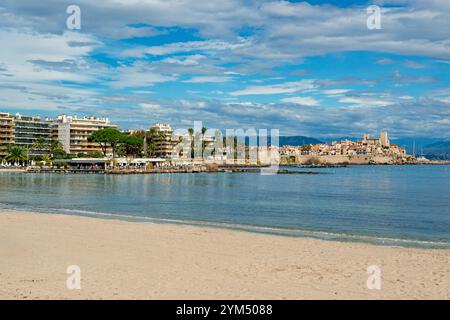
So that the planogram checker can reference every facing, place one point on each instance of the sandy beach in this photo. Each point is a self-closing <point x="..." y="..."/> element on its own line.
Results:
<point x="5" y="170"/>
<point x="126" y="260"/>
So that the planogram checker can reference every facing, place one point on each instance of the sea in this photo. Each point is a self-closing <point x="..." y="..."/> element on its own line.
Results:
<point x="407" y="205"/>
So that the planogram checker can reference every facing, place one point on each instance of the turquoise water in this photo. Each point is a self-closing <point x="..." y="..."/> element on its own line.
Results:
<point x="394" y="205"/>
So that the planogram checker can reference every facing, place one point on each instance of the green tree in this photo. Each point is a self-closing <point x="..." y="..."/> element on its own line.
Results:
<point x="191" y="138"/>
<point x="40" y="144"/>
<point x="16" y="154"/>
<point x="131" y="146"/>
<point x="90" y="154"/>
<point x="144" y="136"/>
<point x="59" y="154"/>
<point x="47" y="160"/>
<point x="57" y="150"/>
<point x="55" y="144"/>
<point x="236" y="144"/>
<point x="204" y="143"/>
<point x="153" y="137"/>
<point x="108" y="137"/>
<point x="199" y="137"/>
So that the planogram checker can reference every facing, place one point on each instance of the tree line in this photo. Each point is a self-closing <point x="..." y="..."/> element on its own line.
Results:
<point x="138" y="144"/>
<point x="109" y="140"/>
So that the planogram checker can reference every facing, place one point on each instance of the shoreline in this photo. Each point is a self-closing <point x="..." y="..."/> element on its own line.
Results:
<point x="121" y="259"/>
<point x="320" y="235"/>
<point x="13" y="170"/>
<point x="232" y="169"/>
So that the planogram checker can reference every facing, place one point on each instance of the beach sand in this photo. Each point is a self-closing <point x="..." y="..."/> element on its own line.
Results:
<point x="4" y="170"/>
<point x="126" y="260"/>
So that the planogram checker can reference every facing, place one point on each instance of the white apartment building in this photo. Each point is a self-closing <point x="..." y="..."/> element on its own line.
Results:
<point x="73" y="132"/>
<point x="164" y="144"/>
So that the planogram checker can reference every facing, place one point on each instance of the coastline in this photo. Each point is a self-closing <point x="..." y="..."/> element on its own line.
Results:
<point x="13" y="170"/>
<point x="231" y="169"/>
<point x="130" y="260"/>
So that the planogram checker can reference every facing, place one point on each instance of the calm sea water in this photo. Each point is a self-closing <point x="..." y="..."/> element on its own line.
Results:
<point x="395" y="205"/>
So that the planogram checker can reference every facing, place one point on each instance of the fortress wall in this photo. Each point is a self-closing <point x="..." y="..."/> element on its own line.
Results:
<point x="343" y="159"/>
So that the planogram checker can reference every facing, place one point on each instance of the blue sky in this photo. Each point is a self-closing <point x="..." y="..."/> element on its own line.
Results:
<point x="306" y="68"/>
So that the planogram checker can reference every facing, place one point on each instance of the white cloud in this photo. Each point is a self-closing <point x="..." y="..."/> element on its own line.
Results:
<point x="206" y="79"/>
<point x="138" y="75"/>
<point x="192" y="60"/>
<point x="385" y="61"/>
<point x="281" y="28"/>
<point x="143" y="92"/>
<point x="189" y="46"/>
<point x="414" y="64"/>
<point x="407" y="118"/>
<point x="335" y="91"/>
<point x="22" y="51"/>
<point x="305" y="101"/>
<point x="151" y="107"/>
<point x="445" y="99"/>
<point x="36" y="59"/>
<point x="287" y="87"/>
<point x="34" y="65"/>
<point x="368" y="101"/>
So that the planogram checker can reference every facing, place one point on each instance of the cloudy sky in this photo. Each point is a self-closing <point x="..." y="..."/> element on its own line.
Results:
<point x="307" y="68"/>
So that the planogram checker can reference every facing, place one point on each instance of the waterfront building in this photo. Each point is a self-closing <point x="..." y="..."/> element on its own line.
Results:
<point x="384" y="139"/>
<point x="24" y="131"/>
<point x="164" y="142"/>
<point x="28" y="130"/>
<point x="368" y="140"/>
<point x="368" y="146"/>
<point x="6" y="132"/>
<point x="73" y="132"/>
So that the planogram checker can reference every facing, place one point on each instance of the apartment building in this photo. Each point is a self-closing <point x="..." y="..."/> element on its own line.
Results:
<point x="164" y="142"/>
<point x="28" y="130"/>
<point x="6" y="132"/>
<point x="73" y="132"/>
<point x="23" y="131"/>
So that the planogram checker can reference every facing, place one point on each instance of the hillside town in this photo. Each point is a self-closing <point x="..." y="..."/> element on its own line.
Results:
<point x="95" y="142"/>
<point x="368" y="150"/>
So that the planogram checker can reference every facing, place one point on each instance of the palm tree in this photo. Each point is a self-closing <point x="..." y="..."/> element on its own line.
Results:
<point x="191" y="134"/>
<point x="16" y="154"/>
<point x="154" y="137"/>
<point x="204" y="143"/>
<point x="40" y="144"/>
<point x="57" y="150"/>
<point x="46" y="159"/>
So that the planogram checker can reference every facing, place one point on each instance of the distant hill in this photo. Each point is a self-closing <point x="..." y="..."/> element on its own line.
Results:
<point x="415" y="144"/>
<point x="330" y="140"/>
<point x="291" y="141"/>
<point x="297" y="141"/>
<point x="437" y="150"/>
